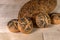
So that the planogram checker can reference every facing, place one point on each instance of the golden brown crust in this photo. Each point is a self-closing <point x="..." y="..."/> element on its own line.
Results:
<point x="13" y="25"/>
<point x="43" y="20"/>
<point x="55" y="18"/>
<point x="25" y="25"/>
<point x="33" y="7"/>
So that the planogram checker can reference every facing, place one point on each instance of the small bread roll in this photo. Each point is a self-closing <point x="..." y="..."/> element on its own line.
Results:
<point x="13" y="25"/>
<point x="43" y="20"/>
<point x="25" y="25"/>
<point x="55" y="18"/>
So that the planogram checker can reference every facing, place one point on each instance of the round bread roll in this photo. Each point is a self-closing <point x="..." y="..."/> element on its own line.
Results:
<point x="43" y="20"/>
<point x="25" y="25"/>
<point x="13" y="25"/>
<point x="55" y="18"/>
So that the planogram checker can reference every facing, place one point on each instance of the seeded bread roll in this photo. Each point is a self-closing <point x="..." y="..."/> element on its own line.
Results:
<point x="55" y="18"/>
<point x="43" y="20"/>
<point x="25" y="25"/>
<point x="33" y="7"/>
<point x="13" y="25"/>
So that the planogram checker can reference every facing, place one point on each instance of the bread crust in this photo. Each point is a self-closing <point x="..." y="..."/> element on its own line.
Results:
<point x="25" y="25"/>
<point x="43" y="20"/>
<point x="55" y="18"/>
<point x="33" y="7"/>
<point x="13" y="25"/>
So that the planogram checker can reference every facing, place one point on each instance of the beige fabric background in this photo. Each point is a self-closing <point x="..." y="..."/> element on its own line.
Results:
<point x="9" y="10"/>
